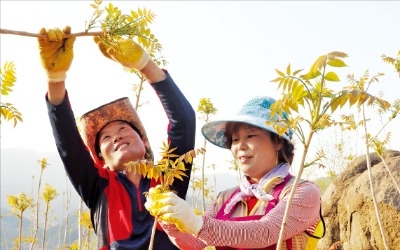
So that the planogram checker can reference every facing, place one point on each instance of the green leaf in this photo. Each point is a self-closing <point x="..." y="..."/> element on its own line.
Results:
<point x="288" y="71"/>
<point x="331" y="76"/>
<point x="286" y="84"/>
<point x="361" y="100"/>
<point x="344" y="100"/>
<point x="8" y="78"/>
<point x="318" y="64"/>
<point x="134" y="14"/>
<point x="336" y="63"/>
<point x="311" y="75"/>
<point x="334" y="105"/>
<point x="298" y="92"/>
<point x="296" y="72"/>
<point x="337" y="54"/>
<point x="280" y="73"/>
<point x="354" y="97"/>
<point x="276" y="79"/>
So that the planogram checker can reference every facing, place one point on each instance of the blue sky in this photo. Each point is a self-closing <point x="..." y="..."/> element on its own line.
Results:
<point x="223" y="50"/>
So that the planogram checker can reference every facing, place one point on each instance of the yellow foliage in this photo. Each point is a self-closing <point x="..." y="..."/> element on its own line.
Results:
<point x="393" y="61"/>
<point x="85" y="221"/>
<point x="309" y="92"/>
<point x="8" y="78"/>
<point x="8" y="111"/>
<point x="171" y="166"/>
<point x="116" y="25"/>
<point x="19" y="203"/>
<point x="49" y="193"/>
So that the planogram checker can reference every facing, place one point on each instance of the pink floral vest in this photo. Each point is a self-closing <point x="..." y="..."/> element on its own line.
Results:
<point x="271" y="204"/>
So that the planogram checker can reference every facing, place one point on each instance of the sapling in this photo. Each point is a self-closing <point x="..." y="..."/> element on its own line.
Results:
<point x="310" y="105"/>
<point x="166" y="170"/>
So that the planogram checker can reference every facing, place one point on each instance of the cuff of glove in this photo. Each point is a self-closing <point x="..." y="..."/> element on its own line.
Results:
<point x="198" y="225"/>
<point x="56" y="76"/>
<point x="142" y="62"/>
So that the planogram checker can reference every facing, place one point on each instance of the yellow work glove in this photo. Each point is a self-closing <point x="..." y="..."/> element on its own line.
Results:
<point x="56" y="52"/>
<point x="127" y="52"/>
<point x="171" y="209"/>
<point x="154" y="194"/>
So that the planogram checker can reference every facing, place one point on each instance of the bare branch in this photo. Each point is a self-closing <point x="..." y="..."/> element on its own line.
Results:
<point x="24" y="33"/>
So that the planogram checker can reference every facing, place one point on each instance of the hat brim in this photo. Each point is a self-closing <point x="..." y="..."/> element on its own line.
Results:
<point x="91" y="123"/>
<point x="214" y="131"/>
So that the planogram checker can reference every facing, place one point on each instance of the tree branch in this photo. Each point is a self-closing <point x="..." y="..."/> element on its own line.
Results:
<point x="24" y="33"/>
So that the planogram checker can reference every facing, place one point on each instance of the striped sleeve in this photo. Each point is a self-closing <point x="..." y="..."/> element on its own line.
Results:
<point x="261" y="233"/>
<point x="304" y="213"/>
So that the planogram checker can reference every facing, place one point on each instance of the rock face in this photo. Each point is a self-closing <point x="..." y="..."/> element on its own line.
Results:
<point x="348" y="208"/>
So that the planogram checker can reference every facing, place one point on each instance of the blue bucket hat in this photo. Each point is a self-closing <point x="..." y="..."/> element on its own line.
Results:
<point x="255" y="112"/>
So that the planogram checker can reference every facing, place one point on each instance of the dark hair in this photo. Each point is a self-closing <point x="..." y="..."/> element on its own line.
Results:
<point x="97" y="143"/>
<point x="285" y="154"/>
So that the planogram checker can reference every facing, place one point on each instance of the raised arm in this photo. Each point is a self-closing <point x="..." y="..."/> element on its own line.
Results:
<point x="181" y="116"/>
<point x="56" y="54"/>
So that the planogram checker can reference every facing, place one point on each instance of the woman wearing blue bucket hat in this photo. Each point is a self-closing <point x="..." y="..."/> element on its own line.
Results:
<point x="251" y="214"/>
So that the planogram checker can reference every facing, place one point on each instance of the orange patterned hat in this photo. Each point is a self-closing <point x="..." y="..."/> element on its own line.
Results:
<point x="92" y="122"/>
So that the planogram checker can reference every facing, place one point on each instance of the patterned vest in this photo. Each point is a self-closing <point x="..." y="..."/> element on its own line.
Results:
<point x="240" y="209"/>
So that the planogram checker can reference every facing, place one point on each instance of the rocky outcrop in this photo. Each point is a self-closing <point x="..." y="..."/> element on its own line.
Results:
<point x="348" y="208"/>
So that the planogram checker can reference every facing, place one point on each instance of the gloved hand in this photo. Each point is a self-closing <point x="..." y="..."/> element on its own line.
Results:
<point x="56" y="52"/>
<point x="173" y="210"/>
<point x="127" y="52"/>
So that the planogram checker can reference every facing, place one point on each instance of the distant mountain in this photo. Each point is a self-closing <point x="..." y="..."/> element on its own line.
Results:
<point x="10" y="228"/>
<point x="20" y="172"/>
<point x="54" y="234"/>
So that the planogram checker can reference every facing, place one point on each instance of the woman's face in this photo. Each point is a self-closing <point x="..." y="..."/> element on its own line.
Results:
<point x="253" y="151"/>
<point x="119" y="144"/>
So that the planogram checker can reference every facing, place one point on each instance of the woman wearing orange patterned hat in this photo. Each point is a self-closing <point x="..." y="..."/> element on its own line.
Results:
<point x="94" y="151"/>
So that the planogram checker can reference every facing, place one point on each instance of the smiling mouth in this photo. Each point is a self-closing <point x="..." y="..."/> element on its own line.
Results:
<point x="244" y="158"/>
<point x="123" y="145"/>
